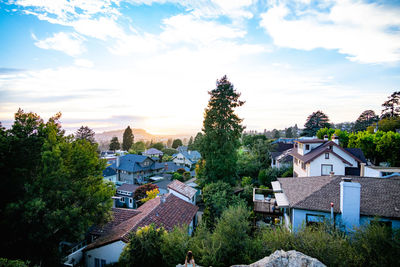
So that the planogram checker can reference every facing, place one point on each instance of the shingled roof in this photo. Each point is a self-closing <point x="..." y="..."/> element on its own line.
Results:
<point x="182" y="189"/>
<point x="379" y="197"/>
<point x="168" y="214"/>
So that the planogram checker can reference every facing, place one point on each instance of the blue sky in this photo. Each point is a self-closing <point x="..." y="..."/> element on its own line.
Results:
<point x="149" y="63"/>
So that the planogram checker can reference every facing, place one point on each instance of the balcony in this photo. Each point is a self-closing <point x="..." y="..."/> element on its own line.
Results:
<point x="264" y="202"/>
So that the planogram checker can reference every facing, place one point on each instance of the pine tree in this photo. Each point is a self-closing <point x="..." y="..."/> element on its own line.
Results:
<point x="366" y="119"/>
<point x="315" y="121"/>
<point x="85" y="133"/>
<point x="391" y="107"/>
<point x="127" y="139"/>
<point x="222" y="131"/>
<point x="190" y="144"/>
<point x="114" y="145"/>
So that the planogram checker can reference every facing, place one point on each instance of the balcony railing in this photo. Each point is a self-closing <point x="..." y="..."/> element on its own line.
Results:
<point x="264" y="201"/>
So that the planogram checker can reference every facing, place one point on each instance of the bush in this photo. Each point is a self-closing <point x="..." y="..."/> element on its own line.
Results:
<point x="13" y="263"/>
<point x="181" y="171"/>
<point x="246" y="181"/>
<point x="175" y="246"/>
<point x="177" y="176"/>
<point x="140" y="192"/>
<point x="186" y="176"/>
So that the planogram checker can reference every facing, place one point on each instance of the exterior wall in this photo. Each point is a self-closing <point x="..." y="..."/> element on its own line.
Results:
<point x="346" y="156"/>
<point x="368" y="219"/>
<point x="298" y="217"/>
<point x="110" y="253"/>
<point x="297" y="168"/>
<point x="181" y="160"/>
<point x="338" y="165"/>
<point x="182" y="196"/>
<point x="369" y="172"/>
<point x="112" y="178"/>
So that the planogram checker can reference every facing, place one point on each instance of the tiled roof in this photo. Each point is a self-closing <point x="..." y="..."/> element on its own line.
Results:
<point x="358" y="153"/>
<point x="379" y="197"/>
<point x="182" y="188"/>
<point x="153" y="151"/>
<point x="119" y="215"/>
<point x="131" y="163"/>
<point x="128" y="187"/>
<point x="172" y="166"/>
<point x="173" y="212"/>
<point x="280" y="147"/>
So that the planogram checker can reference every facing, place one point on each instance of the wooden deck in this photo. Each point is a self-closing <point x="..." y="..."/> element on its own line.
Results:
<point x="265" y="203"/>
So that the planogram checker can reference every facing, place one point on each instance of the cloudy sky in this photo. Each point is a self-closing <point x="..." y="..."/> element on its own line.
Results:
<point x="150" y="63"/>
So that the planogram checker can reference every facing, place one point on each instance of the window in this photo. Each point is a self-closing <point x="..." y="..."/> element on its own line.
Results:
<point x="326" y="169"/>
<point x="130" y="200"/>
<point x="330" y="147"/>
<point x="307" y="147"/>
<point x="326" y="155"/>
<point x="303" y="165"/>
<point x="314" y="219"/>
<point x="122" y="199"/>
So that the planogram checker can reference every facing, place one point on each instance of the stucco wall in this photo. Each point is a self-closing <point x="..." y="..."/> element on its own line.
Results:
<point x="338" y="165"/>
<point x="369" y="172"/>
<point x="110" y="253"/>
<point x="299" y="216"/>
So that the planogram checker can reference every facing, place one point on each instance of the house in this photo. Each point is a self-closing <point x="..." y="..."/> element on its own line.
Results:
<point x="317" y="157"/>
<point x="343" y="200"/>
<point x="109" y="174"/>
<point x="183" y="191"/>
<point x="171" y="166"/>
<point x="133" y="169"/>
<point x="282" y="159"/>
<point x="153" y="152"/>
<point x="124" y="196"/>
<point x="166" y="211"/>
<point x="188" y="158"/>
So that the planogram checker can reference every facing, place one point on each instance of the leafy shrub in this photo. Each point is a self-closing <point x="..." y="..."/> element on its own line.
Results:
<point x="177" y="176"/>
<point x="141" y="191"/>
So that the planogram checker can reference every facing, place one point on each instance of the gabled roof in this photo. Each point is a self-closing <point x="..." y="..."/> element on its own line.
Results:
<point x="281" y="146"/>
<point x="191" y="155"/>
<point x="172" y="166"/>
<point x="309" y="141"/>
<point x="131" y="163"/>
<point x="153" y="151"/>
<point x="128" y="187"/>
<point x="182" y="189"/>
<point x="379" y="197"/>
<point x="173" y="212"/>
<point x="109" y="172"/>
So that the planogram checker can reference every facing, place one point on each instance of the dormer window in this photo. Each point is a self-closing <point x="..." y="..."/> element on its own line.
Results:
<point x="307" y="147"/>
<point x="326" y="155"/>
<point x="330" y="147"/>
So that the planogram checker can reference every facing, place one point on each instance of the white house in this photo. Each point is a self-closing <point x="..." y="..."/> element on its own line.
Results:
<point x="317" y="157"/>
<point x="188" y="158"/>
<point x="342" y="200"/>
<point x="183" y="191"/>
<point x="282" y="159"/>
<point x="166" y="211"/>
<point x="153" y="152"/>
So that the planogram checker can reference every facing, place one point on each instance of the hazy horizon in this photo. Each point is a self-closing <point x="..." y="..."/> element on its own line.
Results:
<point x="149" y="63"/>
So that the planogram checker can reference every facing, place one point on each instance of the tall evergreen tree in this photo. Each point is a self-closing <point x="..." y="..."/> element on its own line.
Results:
<point x="289" y="132"/>
<point x="367" y="118"/>
<point x="391" y="107"/>
<point x="315" y="121"/>
<point x="85" y="133"/>
<point x="127" y="139"/>
<point x="222" y="131"/>
<point x="176" y="143"/>
<point x="197" y="141"/>
<point x="190" y="143"/>
<point x="114" y="145"/>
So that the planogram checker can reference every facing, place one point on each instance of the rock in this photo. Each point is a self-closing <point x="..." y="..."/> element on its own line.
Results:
<point x="281" y="258"/>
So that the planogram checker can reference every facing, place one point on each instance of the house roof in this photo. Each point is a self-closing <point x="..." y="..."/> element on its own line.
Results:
<point x="182" y="189"/>
<point x="316" y="152"/>
<point x="131" y="163"/>
<point x="128" y="187"/>
<point x="191" y="155"/>
<point x="109" y="172"/>
<point x="309" y="141"/>
<point x="281" y="146"/>
<point x="173" y="212"/>
<point x="358" y="153"/>
<point x="379" y="197"/>
<point x="172" y="166"/>
<point x="153" y="151"/>
<point x="285" y="156"/>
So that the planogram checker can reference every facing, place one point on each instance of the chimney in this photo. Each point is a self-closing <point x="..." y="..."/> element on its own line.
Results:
<point x="331" y="174"/>
<point x="350" y="194"/>
<point x="162" y="199"/>
<point x="325" y="138"/>
<point x="362" y="169"/>
<point x="166" y="167"/>
<point x="117" y="162"/>
<point x="335" y="139"/>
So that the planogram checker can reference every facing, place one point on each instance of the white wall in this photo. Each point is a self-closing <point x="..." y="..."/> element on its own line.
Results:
<point x="297" y="168"/>
<point x="182" y="196"/>
<point x="110" y="253"/>
<point x="181" y="160"/>
<point x="369" y="172"/>
<point x="338" y="165"/>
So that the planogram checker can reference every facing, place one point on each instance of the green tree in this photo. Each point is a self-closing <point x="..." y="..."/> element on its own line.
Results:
<point x="197" y="141"/>
<point x="343" y="135"/>
<point x="144" y="248"/>
<point x="315" y="121"/>
<point x="391" y="107"/>
<point x="176" y="143"/>
<point x="190" y="143"/>
<point x="367" y="118"/>
<point x="389" y="124"/>
<point x="52" y="189"/>
<point x="85" y="133"/>
<point x="114" y="144"/>
<point x="175" y="245"/>
<point x="169" y="151"/>
<point x="138" y="148"/>
<point x="222" y="131"/>
<point x="141" y="191"/>
<point x="275" y="134"/>
<point x="289" y="132"/>
<point x="159" y="146"/>
<point x="127" y="139"/>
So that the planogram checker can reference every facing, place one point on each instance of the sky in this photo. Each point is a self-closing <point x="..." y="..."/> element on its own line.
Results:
<point x="150" y="63"/>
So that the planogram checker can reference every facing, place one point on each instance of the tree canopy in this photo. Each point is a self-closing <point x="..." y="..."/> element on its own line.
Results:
<point x="391" y="107"/>
<point x="367" y="118"/>
<point x="85" y="133"/>
<point x="127" y="139"/>
<point x="159" y="146"/>
<point x="222" y="131"/>
<point x="315" y="121"/>
<point x="176" y="143"/>
<point x="114" y="144"/>
<point x="51" y="190"/>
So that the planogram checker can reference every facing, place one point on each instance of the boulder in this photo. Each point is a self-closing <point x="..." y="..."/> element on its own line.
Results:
<point x="281" y="258"/>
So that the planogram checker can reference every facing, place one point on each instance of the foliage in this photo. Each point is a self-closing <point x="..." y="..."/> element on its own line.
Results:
<point x="141" y="191"/>
<point x="367" y="118"/>
<point x="169" y="151"/>
<point x="166" y="158"/>
<point x="391" y="107"/>
<point x="186" y="176"/>
<point x="262" y="177"/>
<point x="199" y="170"/>
<point x="289" y="132"/>
<point x="52" y="188"/>
<point x="246" y="181"/>
<point x="288" y="173"/>
<point x="127" y="139"/>
<point x="196" y="142"/>
<point x="315" y="121"/>
<point x="222" y="131"/>
<point x="159" y="146"/>
<point x="248" y="164"/>
<point x="175" y="246"/>
<point x="150" y="195"/>
<point x="265" y="177"/>
<point x="114" y="144"/>
<point x="343" y="135"/>
<point x="85" y="133"/>
<point x="248" y="140"/>
<point x="190" y="143"/>
<point x="138" y="148"/>
<point x="275" y="134"/>
<point x="180" y="170"/>
<point x="177" y="143"/>
<point x="177" y="176"/>
<point x="389" y="124"/>
<point x="13" y="263"/>
<point x="144" y="248"/>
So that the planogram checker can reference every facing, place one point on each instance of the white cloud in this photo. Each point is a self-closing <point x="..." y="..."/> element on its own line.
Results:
<point x="359" y="30"/>
<point x="83" y="63"/>
<point x="69" y="43"/>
